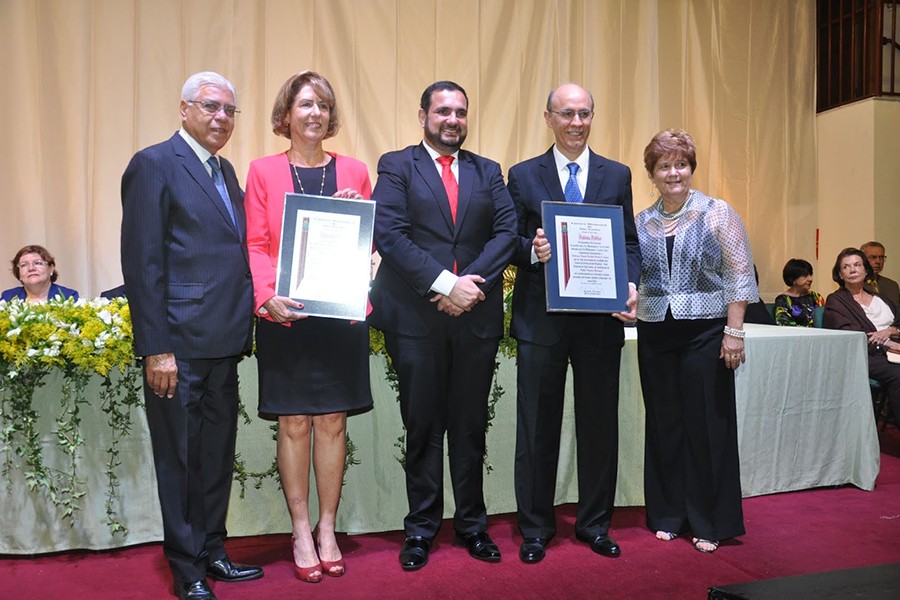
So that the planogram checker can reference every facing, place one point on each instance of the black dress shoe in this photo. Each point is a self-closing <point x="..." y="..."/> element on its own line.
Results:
<point x="533" y="549"/>
<point x="194" y="590"/>
<point x="480" y="546"/>
<point x="601" y="544"/>
<point x="414" y="553"/>
<point x="225" y="570"/>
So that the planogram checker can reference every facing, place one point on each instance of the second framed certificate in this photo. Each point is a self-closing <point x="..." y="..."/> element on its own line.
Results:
<point x="587" y="269"/>
<point x="325" y="257"/>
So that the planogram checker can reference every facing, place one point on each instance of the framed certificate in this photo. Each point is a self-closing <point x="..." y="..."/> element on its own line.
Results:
<point x="587" y="269"/>
<point x="325" y="255"/>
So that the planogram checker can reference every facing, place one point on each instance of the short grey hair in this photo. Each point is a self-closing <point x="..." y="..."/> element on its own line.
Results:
<point x="872" y="244"/>
<point x="193" y="84"/>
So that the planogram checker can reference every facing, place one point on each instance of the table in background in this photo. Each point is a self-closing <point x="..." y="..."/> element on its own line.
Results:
<point x="804" y="420"/>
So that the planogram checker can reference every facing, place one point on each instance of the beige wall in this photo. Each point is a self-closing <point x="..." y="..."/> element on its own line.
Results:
<point x="859" y="182"/>
<point x="887" y="181"/>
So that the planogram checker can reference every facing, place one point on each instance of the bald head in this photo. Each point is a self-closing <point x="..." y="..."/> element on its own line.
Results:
<point x="570" y="110"/>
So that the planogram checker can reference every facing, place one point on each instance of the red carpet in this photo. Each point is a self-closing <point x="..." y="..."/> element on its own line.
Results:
<point x="788" y="534"/>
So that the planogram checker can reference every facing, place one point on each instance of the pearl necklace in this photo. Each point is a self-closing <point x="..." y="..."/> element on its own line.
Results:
<point x="300" y="183"/>
<point x="669" y="216"/>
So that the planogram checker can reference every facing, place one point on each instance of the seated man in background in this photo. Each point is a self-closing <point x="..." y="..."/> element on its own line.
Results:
<point x="885" y="286"/>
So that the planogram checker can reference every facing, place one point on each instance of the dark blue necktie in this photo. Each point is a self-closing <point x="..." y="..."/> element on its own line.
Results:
<point x="219" y="181"/>
<point x="572" y="193"/>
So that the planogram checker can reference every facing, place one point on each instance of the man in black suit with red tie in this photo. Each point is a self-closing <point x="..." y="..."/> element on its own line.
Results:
<point x="547" y="342"/>
<point x="445" y="229"/>
<point x="184" y="258"/>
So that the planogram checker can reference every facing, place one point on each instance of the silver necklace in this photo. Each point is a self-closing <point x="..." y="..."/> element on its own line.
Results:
<point x="300" y="183"/>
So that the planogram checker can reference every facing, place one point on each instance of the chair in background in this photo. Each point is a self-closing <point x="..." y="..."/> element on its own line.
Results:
<point x="880" y="403"/>
<point x="819" y="317"/>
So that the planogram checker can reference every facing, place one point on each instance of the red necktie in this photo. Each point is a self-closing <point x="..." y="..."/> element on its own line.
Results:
<point x="450" y="185"/>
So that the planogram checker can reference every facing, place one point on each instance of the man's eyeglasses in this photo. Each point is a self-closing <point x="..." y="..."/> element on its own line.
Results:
<point x="35" y="263"/>
<point x="212" y="108"/>
<point x="569" y="115"/>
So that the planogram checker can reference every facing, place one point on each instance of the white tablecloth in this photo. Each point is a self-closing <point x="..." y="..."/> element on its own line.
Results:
<point x="804" y="420"/>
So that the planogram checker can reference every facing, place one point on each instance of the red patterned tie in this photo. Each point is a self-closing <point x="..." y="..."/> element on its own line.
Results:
<point x="450" y="184"/>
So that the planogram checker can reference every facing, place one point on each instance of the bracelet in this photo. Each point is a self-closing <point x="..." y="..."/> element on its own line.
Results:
<point x="738" y="333"/>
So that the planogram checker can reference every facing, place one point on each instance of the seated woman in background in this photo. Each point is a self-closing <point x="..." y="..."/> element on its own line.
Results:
<point x="35" y="267"/>
<point x="796" y="306"/>
<point x="855" y="308"/>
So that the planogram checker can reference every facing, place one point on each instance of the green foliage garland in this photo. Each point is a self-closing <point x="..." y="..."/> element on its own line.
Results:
<point x="91" y="338"/>
<point x="507" y="348"/>
<point x="81" y="339"/>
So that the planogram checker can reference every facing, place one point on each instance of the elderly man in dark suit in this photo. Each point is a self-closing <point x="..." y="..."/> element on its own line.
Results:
<point x="547" y="342"/>
<point x="445" y="229"/>
<point x="184" y="258"/>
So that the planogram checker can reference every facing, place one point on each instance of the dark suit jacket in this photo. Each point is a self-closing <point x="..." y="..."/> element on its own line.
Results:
<point x="532" y="182"/>
<point x="185" y="264"/>
<point x="417" y="239"/>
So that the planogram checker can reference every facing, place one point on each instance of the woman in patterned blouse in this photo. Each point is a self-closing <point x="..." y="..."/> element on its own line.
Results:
<point x="696" y="280"/>
<point x="797" y="305"/>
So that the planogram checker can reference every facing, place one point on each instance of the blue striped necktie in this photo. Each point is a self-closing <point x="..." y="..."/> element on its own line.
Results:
<point x="572" y="193"/>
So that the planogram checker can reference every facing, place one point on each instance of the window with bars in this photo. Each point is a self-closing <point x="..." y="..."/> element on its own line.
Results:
<point x="858" y="50"/>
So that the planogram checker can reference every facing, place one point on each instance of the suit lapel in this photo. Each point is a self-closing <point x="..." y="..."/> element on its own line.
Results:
<point x="426" y="168"/>
<point x="550" y="178"/>
<point x="236" y="197"/>
<point x="191" y="163"/>
<point x="466" y="185"/>
<point x="595" y="178"/>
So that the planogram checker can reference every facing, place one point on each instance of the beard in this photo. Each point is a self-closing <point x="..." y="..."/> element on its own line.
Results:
<point x="445" y="139"/>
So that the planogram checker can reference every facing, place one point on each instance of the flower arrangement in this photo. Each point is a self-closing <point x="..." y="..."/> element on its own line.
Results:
<point x="93" y="338"/>
<point x="82" y="339"/>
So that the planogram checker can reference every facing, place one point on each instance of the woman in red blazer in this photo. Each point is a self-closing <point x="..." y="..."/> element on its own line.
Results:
<point x="313" y="371"/>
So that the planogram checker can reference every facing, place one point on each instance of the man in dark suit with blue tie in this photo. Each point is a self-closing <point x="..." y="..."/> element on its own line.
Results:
<point x="184" y="259"/>
<point x="547" y="342"/>
<point x="445" y="229"/>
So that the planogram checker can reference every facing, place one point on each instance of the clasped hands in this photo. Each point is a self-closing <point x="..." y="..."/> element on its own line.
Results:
<point x="464" y="295"/>
<point x="882" y="336"/>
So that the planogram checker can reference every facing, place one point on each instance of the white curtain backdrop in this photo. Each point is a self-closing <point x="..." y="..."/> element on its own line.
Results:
<point x="86" y="83"/>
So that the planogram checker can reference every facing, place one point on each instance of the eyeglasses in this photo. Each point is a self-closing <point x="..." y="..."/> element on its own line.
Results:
<point x="35" y="263"/>
<point x="569" y="115"/>
<point x="212" y="108"/>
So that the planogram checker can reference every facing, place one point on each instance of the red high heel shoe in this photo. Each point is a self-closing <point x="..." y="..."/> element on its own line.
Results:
<point x="332" y="568"/>
<point x="311" y="574"/>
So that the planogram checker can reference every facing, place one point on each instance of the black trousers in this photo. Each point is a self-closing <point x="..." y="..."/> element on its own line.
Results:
<point x="541" y="381"/>
<point x="691" y="466"/>
<point x="193" y="436"/>
<point x="888" y="375"/>
<point x="445" y="380"/>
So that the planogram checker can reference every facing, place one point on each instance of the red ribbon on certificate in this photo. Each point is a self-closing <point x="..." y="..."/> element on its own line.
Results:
<point x="565" y="249"/>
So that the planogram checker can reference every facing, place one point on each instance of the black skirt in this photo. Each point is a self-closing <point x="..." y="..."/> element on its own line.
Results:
<point x="316" y="366"/>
